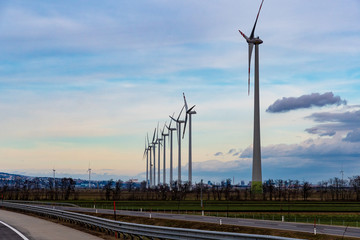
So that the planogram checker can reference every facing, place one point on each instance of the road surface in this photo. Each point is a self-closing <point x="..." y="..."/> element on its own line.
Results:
<point x="37" y="229"/>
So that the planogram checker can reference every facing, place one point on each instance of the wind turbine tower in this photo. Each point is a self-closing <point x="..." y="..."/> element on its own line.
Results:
<point x="179" y="122"/>
<point x="158" y="140"/>
<point x="171" y="151"/>
<point x="164" y="158"/>
<point x="89" y="170"/>
<point x="154" y="161"/>
<point x="256" y="184"/>
<point x="54" y="177"/>
<point x="189" y="112"/>
<point x="146" y="152"/>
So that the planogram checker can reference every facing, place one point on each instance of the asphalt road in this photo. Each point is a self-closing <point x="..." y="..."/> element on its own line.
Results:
<point x="37" y="229"/>
<point x="7" y="232"/>
<point x="287" y="226"/>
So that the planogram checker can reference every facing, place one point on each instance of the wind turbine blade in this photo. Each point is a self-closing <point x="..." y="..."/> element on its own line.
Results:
<point x="186" y="117"/>
<point x="188" y="111"/>
<point x="148" y="139"/>
<point x="253" y="30"/>
<point x="154" y="136"/>
<point x="157" y="132"/>
<point x="243" y="34"/>
<point x="173" y="118"/>
<point x="186" y="106"/>
<point x="164" y="128"/>
<point x="144" y="153"/>
<point x="251" y="46"/>
<point x="180" y="113"/>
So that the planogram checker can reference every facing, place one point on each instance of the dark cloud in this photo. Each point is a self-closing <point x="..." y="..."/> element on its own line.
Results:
<point x="218" y="154"/>
<point x="345" y="117"/>
<point x="321" y="131"/>
<point x="231" y="151"/>
<point x="333" y="122"/>
<point x="311" y="149"/>
<point x="353" y="136"/>
<point x="305" y="101"/>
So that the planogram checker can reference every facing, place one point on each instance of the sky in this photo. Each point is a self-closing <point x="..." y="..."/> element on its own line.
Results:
<point x="83" y="82"/>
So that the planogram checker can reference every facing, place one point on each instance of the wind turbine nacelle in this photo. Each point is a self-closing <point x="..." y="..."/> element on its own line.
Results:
<point x="255" y="41"/>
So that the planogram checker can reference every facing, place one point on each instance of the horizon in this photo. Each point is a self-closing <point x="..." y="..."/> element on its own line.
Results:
<point x="84" y="85"/>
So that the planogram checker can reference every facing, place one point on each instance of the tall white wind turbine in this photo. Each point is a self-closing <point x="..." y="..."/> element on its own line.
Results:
<point x="189" y="112"/>
<point x="256" y="184"/>
<point x="179" y="122"/>
<point x="171" y="151"/>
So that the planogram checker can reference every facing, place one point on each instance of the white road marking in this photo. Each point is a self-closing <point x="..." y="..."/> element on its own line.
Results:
<point x="16" y="231"/>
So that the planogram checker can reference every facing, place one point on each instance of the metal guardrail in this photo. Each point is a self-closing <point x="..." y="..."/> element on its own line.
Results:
<point x="43" y="203"/>
<point x="133" y="229"/>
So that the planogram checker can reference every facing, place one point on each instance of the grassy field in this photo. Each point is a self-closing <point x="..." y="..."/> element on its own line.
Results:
<point x="234" y="206"/>
<point x="332" y="213"/>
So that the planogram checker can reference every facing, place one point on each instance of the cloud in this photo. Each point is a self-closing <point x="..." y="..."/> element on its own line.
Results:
<point x="349" y="117"/>
<point x="305" y="101"/>
<point x="346" y="122"/>
<point x="218" y="154"/>
<point x="231" y="151"/>
<point x="321" y="132"/>
<point x="310" y="148"/>
<point x="353" y="136"/>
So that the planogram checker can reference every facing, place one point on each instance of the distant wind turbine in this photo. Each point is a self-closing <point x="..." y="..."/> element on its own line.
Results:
<point x="189" y="112"/>
<point x="158" y="141"/>
<point x="171" y="150"/>
<point x="149" y="164"/>
<point x="179" y="122"/>
<point x="164" y="157"/>
<point x="54" y="177"/>
<point x="256" y="184"/>
<point x="146" y="153"/>
<point x="153" y="142"/>
<point x="89" y="170"/>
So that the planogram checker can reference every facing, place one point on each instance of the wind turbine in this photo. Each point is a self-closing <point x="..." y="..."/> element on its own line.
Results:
<point x="148" y="182"/>
<point x="147" y="161"/>
<point x="189" y="112"/>
<point x="171" y="150"/>
<point x="256" y="184"/>
<point x="153" y="142"/>
<point x="164" y="167"/>
<point x="158" y="141"/>
<point x="54" y="177"/>
<point x="89" y="170"/>
<point x="179" y="122"/>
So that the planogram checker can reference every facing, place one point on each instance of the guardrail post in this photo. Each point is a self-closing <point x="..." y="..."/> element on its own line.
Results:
<point x="220" y="221"/>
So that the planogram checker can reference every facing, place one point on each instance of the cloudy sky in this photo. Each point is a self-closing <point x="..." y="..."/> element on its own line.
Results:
<point x="85" y="81"/>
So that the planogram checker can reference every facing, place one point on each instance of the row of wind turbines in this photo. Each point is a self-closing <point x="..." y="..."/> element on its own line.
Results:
<point x="256" y="183"/>
<point x="158" y="142"/>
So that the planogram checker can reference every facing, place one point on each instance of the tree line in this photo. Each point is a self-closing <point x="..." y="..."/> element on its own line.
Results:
<point x="334" y="189"/>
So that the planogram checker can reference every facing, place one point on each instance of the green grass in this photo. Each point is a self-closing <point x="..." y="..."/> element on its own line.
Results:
<point x="331" y="213"/>
<point x="238" y="206"/>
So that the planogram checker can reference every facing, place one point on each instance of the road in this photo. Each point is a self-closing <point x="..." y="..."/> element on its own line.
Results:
<point x="7" y="232"/>
<point x="287" y="226"/>
<point x="37" y="229"/>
